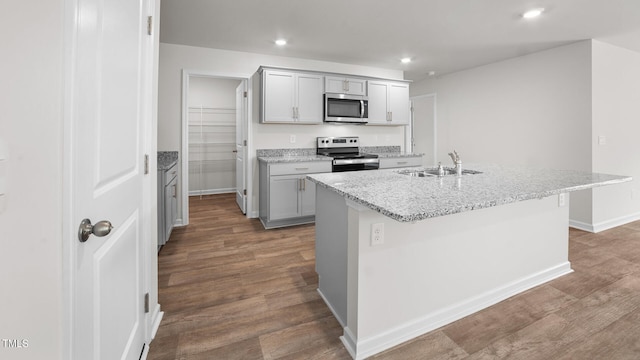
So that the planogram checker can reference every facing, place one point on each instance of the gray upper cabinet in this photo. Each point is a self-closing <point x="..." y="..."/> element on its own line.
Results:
<point x="388" y="103"/>
<point x="345" y="85"/>
<point x="291" y="97"/>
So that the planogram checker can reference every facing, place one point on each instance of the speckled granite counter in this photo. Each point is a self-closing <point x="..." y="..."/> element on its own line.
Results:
<point x="398" y="154"/>
<point x="289" y="155"/>
<point x="388" y="281"/>
<point x="166" y="159"/>
<point x="406" y="198"/>
<point x="388" y="151"/>
<point x="309" y="154"/>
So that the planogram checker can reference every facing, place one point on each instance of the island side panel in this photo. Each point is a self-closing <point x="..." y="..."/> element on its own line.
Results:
<point x="331" y="251"/>
<point x="435" y="271"/>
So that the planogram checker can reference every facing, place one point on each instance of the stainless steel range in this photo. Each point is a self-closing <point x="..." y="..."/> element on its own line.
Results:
<point x="346" y="154"/>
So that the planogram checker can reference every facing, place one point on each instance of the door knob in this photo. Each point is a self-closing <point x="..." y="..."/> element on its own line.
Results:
<point x="100" y="229"/>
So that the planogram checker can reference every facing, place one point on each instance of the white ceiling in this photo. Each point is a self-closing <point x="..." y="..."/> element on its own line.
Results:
<point x="439" y="35"/>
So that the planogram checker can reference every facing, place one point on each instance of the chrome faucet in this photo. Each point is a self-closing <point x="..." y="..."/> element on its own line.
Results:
<point x="457" y="162"/>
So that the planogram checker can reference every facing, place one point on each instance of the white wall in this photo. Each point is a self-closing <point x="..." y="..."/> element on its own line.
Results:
<point x="532" y="110"/>
<point x="175" y="58"/>
<point x="31" y="123"/>
<point x="616" y="116"/>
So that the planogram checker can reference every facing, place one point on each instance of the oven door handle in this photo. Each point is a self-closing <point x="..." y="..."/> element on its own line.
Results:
<point x="355" y="161"/>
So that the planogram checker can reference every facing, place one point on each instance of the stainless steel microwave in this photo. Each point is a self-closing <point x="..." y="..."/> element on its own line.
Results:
<point x="342" y="108"/>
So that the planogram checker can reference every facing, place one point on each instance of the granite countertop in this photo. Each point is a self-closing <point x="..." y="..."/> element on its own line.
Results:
<point x="272" y="156"/>
<point x="407" y="198"/>
<point x="166" y="159"/>
<point x="388" y="151"/>
<point x="399" y="154"/>
<point x="309" y="154"/>
<point x="293" y="158"/>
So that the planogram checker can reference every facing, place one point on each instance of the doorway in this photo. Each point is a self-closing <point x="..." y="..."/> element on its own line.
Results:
<point x="214" y="137"/>
<point x="423" y="127"/>
<point x="212" y="133"/>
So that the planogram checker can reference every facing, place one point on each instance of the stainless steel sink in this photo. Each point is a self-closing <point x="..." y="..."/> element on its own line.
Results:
<point x="434" y="172"/>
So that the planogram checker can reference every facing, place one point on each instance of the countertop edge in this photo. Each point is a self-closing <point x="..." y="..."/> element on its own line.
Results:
<point x="466" y="207"/>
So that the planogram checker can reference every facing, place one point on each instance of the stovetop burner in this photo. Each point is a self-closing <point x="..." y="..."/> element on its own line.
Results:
<point x="346" y="154"/>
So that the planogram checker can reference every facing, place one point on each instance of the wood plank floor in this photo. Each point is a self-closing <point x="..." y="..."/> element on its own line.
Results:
<point x="232" y="290"/>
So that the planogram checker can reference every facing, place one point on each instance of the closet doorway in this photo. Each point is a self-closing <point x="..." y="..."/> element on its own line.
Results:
<point x="214" y="137"/>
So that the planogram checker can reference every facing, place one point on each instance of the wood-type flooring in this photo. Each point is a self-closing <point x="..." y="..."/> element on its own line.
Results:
<point x="232" y="290"/>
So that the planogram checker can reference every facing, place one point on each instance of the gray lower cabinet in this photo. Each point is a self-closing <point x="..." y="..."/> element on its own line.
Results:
<point x="167" y="203"/>
<point x="286" y="196"/>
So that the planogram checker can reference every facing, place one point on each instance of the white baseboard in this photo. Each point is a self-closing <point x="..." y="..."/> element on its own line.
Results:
<point x="581" y="225"/>
<point x="335" y="314"/>
<point x="604" y="225"/>
<point x="363" y="348"/>
<point x="212" y="192"/>
<point x="157" y="318"/>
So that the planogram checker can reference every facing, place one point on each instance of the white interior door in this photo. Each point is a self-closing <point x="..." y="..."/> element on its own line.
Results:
<point x="241" y="113"/>
<point x="108" y="115"/>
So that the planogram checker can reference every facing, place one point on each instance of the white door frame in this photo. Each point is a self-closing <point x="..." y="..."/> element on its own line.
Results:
<point x="184" y="149"/>
<point x="435" y="125"/>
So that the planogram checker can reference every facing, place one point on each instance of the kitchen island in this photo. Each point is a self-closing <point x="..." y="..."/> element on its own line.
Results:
<point x="399" y="255"/>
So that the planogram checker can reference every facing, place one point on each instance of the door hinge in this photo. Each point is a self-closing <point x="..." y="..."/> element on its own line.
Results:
<point x="245" y="142"/>
<point x="146" y="164"/>
<point x="149" y="25"/>
<point x="146" y="303"/>
<point x="244" y="192"/>
<point x="245" y="94"/>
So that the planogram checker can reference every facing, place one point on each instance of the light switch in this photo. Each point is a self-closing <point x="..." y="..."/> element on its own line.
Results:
<point x="602" y="140"/>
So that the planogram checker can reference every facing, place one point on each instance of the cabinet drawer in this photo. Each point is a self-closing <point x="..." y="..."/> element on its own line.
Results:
<point x="300" y="168"/>
<point x="170" y="174"/>
<point x="386" y="163"/>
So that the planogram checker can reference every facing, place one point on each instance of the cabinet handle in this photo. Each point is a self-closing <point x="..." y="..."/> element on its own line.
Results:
<point x="299" y="184"/>
<point x="302" y="169"/>
<point x="304" y="184"/>
<point x="175" y="190"/>
<point x="401" y="162"/>
<point x="293" y="109"/>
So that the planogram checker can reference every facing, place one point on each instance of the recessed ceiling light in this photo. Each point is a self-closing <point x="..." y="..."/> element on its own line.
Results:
<point x="533" y="13"/>
<point x="431" y="73"/>
<point x="281" y="42"/>
<point x="405" y="60"/>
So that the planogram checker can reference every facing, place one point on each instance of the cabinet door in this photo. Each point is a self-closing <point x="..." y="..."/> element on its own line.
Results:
<point x="278" y="96"/>
<point x="356" y="87"/>
<point x="378" y="102"/>
<point x="399" y="103"/>
<point x="283" y="196"/>
<point x="309" y="96"/>
<point x="170" y="203"/>
<point x="334" y="84"/>
<point x="308" y="197"/>
<point x="341" y="85"/>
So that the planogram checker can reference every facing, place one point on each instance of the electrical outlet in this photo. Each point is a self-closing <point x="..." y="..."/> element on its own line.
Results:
<point x="292" y="139"/>
<point x="377" y="234"/>
<point x="561" y="199"/>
